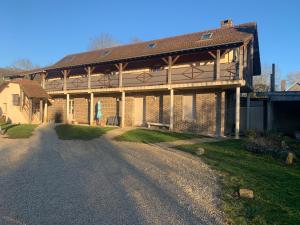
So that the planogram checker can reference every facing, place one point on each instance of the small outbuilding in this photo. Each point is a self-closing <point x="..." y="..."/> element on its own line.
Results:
<point x="23" y="101"/>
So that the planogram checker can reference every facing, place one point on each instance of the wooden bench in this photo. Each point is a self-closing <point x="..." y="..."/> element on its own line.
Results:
<point x="149" y="124"/>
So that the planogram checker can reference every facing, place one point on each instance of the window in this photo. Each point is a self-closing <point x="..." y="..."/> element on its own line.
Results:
<point x="151" y="45"/>
<point x="188" y="107"/>
<point x="206" y="36"/>
<point x="104" y="53"/>
<point x="16" y="99"/>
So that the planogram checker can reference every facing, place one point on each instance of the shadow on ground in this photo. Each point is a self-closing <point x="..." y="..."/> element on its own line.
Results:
<point x="44" y="180"/>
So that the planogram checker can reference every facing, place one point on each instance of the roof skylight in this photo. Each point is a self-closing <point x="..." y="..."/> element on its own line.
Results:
<point x="105" y="53"/>
<point x="206" y="36"/>
<point x="151" y="45"/>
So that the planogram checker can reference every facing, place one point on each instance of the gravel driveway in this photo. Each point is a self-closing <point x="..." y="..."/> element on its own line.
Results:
<point x="44" y="180"/>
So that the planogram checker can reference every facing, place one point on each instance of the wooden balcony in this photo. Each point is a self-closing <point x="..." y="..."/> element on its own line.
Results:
<point x="180" y="75"/>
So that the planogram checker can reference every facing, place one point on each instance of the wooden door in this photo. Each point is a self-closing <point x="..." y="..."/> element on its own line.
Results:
<point x="139" y="111"/>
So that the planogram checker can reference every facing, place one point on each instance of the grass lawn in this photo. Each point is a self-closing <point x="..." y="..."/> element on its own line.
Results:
<point x="15" y="131"/>
<point x="153" y="136"/>
<point x="77" y="132"/>
<point x="276" y="186"/>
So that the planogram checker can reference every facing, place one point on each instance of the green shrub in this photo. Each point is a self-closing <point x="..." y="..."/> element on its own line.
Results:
<point x="267" y="146"/>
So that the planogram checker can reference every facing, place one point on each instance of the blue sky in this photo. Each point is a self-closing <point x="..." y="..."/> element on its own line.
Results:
<point x="45" y="31"/>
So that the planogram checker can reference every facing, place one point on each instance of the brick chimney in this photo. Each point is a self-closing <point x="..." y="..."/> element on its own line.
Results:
<point x="272" y="79"/>
<point x="283" y="85"/>
<point x="227" y="23"/>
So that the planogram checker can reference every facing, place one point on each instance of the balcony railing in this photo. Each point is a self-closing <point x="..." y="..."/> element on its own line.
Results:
<point x="180" y="75"/>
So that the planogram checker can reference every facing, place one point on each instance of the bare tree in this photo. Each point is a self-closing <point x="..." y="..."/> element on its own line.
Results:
<point x="136" y="40"/>
<point x="262" y="83"/>
<point x="104" y="40"/>
<point x="293" y="78"/>
<point x="23" y="64"/>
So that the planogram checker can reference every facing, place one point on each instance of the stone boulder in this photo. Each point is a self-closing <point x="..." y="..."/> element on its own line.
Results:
<point x="246" y="193"/>
<point x="200" y="151"/>
<point x="289" y="159"/>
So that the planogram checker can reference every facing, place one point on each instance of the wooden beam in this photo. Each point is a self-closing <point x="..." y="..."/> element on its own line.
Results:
<point x="46" y="111"/>
<point x="88" y="70"/>
<point x="120" y="66"/>
<point x="240" y="72"/>
<point x="41" y="111"/>
<point x="165" y="60"/>
<point x="170" y="63"/>
<point x="30" y="110"/>
<point x="237" y="112"/>
<point x="91" y="68"/>
<point x="68" y="108"/>
<point x="65" y="74"/>
<point x="175" y="59"/>
<point x="245" y="62"/>
<point x="123" y="109"/>
<point x="225" y="52"/>
<point x="220" y="113"/>
<point x="43" y="75"/>
<point x="217" y="65"/>
<point x="251" y="58"/>
<point x="125" y="66"/>
<point x="92" y="107"/>
<point x="171" y="109"/>
<point x="212" y="54"/>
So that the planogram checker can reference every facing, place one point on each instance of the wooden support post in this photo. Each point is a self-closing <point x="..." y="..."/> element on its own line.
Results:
<point x="217" y="65"/>
<point x="251" y="58"/>
<point x="30" y="110"/>
<point x="41" y="111"/>
<point x="237" y="112"/>
<point x="240" y="76"/>
<point x="170" y="63"/>
<point x="65" y="73"/>
<point x="46" y="111"/>
<point x="43" y="75"/>
<point x="120" y="75"/>
<point x="92" y="109"/>
<point x="248" y="111"/>
<point x="123" y="109"/>
<point x="171" y="109"/>
<point x="245" y="62"/>
<point x="220" y="113"/>
<point x="89" y="77"/>
<point x="68" y="107"/>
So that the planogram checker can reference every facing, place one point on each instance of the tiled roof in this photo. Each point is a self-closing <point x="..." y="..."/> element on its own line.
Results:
<point x="31" y="88"/>
<point x="222" y="36"/>
<point x="3" y="85"/>
<point x="7" y="72"/>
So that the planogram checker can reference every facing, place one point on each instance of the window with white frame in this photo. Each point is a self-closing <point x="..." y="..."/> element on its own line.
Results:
<point x="188" y="107"/>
